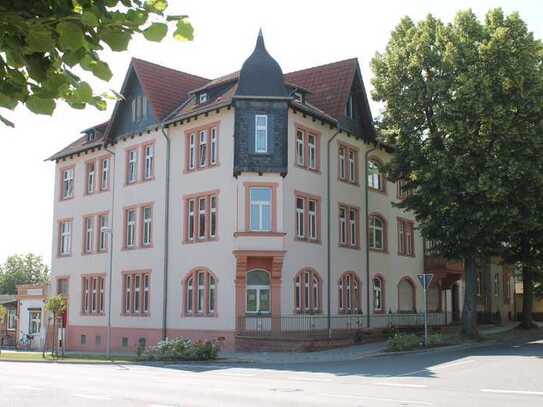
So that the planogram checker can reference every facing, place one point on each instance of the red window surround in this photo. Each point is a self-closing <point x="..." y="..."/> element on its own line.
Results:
<point x="93" y="246"/>
<point x="202" y="147"/>
<point x="62" y="188"/>
<point x="200" y="293"/>
<point x="136" y="293"/>
<point x="92" y="294"/>
<point x="349" y="289"/>
<point x="307" y="292"/>
<point x="406" y="238"/>
<point x="140" y="162"/>
<point x="307" y="149"/>
<point x="348" y="164"/>
<point x="384" y="223"/>
<point x="348" y="226"/>
<point x="308" y="229"/>
<point x="201" y="217"/>
<point x="134" y="228"/>
<point x="381" y="279"/>
<point x="64" y="240"/>
<point x="376" y="182"/>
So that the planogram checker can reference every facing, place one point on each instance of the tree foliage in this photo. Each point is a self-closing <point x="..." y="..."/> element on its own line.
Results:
<point x="42" y="41"/>
<point x="56" y="305"/>
<point x="21" y="269"/>
<point x="463" y="105"/>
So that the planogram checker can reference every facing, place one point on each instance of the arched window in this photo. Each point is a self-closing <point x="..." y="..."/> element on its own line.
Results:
<point x="349" y="293"/>
<point x="200" y="293"/>
<point x="307" y="292"/>
<point x="258" y="292"/>
<point x="377" y="233"/>
<point x="406" y="295"/>
<point x="375" y="178"/>
<point x="378" y="294"/>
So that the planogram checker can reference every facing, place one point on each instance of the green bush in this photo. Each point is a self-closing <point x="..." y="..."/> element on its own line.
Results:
<point x="181" y="349"/>
<point x="435" y="340"/>
<point x="402" y="342"/>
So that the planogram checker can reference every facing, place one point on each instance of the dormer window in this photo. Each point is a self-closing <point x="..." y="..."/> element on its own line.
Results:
<point x="349" y="107"/>
<point x="90" y="136"/>
<point x="203" y="98"/>
<point x="298" y="97"/>
<point x="261" y="133"/>
<point x="139" y="108"/>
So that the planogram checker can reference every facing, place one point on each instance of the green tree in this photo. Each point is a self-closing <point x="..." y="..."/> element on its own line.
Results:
<point x="56" y="305"/>
<point x="41" y="41"/>
<point x="446" y="92"/>
<point x="21" y="269"/>
<point x="3" y="313"/>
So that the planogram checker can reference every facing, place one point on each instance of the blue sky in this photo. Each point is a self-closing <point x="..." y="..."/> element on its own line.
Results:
<point x="299" y="34"/>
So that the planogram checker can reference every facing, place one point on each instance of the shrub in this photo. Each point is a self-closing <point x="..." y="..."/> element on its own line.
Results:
<point x="181" y="349"/>
<point x="435" y="340"/>
<point x="401" y="342"/>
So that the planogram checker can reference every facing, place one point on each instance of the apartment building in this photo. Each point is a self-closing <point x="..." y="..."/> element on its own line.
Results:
<point x="218" y="208"/>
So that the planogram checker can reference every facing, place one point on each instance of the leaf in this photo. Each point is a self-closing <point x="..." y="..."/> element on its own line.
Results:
<point x="156" y="6"/>
<point x="155" y="32"/>
<point x="84" y="92"/>
<point x="98" y="103"/>
<point x="6" y="121"/>
<point x="70" y="35"/>
<point x="72" y="58"/>
<point x="176" y="17"/>
<point x="40" y="40"/>
<point x="117" y="40"/>
<point x="184" y="31"/>
<point x="40" y="105"/>
<point x="7" y="101"/>
<point x="89" y="18"/>
<point x="101" y="70"/>
<point x="137" y="17"/>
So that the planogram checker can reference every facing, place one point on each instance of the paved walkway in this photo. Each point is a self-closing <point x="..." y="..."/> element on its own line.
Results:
<point x="332" y="355"/>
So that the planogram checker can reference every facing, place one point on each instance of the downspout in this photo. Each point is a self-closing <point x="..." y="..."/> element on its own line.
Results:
<point x="366" y="209"/>
<point x="111" y="240"/>
<point x="328" y="237"/>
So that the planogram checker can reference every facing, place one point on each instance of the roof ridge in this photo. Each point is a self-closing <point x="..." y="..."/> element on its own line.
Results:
<point x="167" y="67"/>
<point x="323" y="65"/>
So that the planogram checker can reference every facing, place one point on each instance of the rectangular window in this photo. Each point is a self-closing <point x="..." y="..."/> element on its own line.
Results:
<point x="101" y="295"/>
<point x="139" y="108"/>
<point x="132" y="168"/>
<point x="341" y="163"/>
<point x="300" y="217"/>
<point x="261" y="133"/>
<point x="147" y="225"/>
<point x="91" y="176"/>
<point x="349" y="226"/>
<point x="342" y="226"/>
<point x="352" y="227"/>
<point x="34" y="317"/>
<point x="213" y="216"/>
<point x="146" y="293"/>
<point x="85" y="292"/>
<point x="137" y="293"/>
<point x="348" y="163"/>
<point x="192" y="151"/>
<point x="65" y="238"/>
<point x="149" y="157"/>
<point x="94" y="295"/>
<point x="200" y="293"/>
<point x="213" y="158"/>
<point x="312" y="222"/>
<point x="191" y="219"/>
<point x="349" y="107"/>
<point x="62" y="286"/>
<point x="260" y="209"/>
<point x="203" y="149"/>
<point x="211" y="299"/>
<point x="202" y="218"/>
<point x="67" y="183"/>
<point x="312" y="152"/>
<point x="12" y="319"/>
<point x="130" y="237"/>
<point x="352" y="167"/>
<point x="104" y="177"/>
<point x="128" y="293"/>
<point x="103" y="232"/>
<point x="92" y="292"/>
<point x="300" y="148"/>
<point x="406" y="240"/>
<point x="88" y="237"/>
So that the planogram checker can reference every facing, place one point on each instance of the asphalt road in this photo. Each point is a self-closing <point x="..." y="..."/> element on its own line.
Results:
<point x="499" y="375"/>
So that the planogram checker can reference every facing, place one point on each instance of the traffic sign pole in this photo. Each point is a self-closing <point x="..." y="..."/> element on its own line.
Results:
<point x="425" y="280"/>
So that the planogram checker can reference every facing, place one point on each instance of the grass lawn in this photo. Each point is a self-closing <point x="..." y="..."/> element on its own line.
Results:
<point x="69" y="358"/>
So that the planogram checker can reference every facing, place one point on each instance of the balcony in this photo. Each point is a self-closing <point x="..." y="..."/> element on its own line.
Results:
<point x="434" y="264"/>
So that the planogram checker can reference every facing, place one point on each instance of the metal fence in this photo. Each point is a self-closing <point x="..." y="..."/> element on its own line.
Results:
<point x="307" y="325"/>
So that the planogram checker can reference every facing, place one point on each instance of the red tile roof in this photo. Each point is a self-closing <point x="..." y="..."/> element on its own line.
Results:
<point x="166" y="88"/>
<point x="329" y="85"/>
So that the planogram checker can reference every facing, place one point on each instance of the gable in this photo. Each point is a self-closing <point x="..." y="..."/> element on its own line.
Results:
<point x="122" y="122"/>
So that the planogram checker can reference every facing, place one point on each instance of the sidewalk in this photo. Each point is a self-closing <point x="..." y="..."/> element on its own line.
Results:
<point x="332" y="355"/>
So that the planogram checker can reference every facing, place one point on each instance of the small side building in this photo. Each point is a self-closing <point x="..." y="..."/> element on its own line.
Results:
<point x="32" y="318"/>
<point x="8" y="329"/>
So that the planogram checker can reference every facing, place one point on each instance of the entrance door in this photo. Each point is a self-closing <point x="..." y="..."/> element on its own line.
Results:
<point x="455" y="303"/>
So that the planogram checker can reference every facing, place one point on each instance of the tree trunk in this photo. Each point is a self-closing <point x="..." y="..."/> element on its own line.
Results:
<point x="469" y="313"/>
<point x="527" y="321"/>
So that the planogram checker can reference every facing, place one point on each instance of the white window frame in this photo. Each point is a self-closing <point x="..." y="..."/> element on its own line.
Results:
<point x="149" y="155"/>
<point x="374" y="176"/>
<point x="104" y="181"/>
<point x="261" y="205"/>
<point x="300" y="148"/>
<point x="128" y="293"/>
<point x="190" y="294"/>
<point x="65" y="238"/>
<point x="262" y="130"/>
<point x="11" y="318"/>
<point x="132" y="175"/>
<point x="89" y="234"/>
<point x="202" y="149"/>
<point x="34" y="322"/>
<point x="202" y="212"/>
<point x="353" y="241"/>
<point x="146" y="293"/>
<point x="147" y="225"/>
<point x="213" y="216"/>
<point x="103" y="222"/>
<point x="312" y="219"/>
<point x="300" y="218"/>
<point x="343" y="225"/>
<point x="312" y="151"/>
<point x="94" y="295"/>
<point x="341" y="160"/>
<point x="212" y="300"/>
<point x="373" y="233"/>
<point x="203" y="98"/>
<point x="213" y="147"/>
<point x="352" y="166"/>
<point x="200" y="291"/>
<point x="91" y="176"/>
<point x="68" y="183"/>
<point x="131" y="228"/>
<point x="101" y="296"/>
<point x="377" y="294"/>
<point x="191" y="219"/>
<point x="192" y="151"/>
<point x="137" y="293"/>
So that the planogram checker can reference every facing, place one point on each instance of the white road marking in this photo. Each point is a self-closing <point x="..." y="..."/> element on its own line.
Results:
<point x="525" y="392"/>
<point x="308" y="379"/>
<point x="232" y="374"/>
<point x="91" y="396"/>
<point x="415" y="386"/>
<point x="161" y="405"/>
<point x="447" y="365"/>
<point x="24" y="387"/>
<point x="364" y="397"/>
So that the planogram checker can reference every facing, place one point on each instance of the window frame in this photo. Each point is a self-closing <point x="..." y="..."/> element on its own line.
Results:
<point x="129" y="293"/>
<point x="349" y="293"/>
<point x="90" y="177"/>
<point x="349" y="227"/>
<point x="406" y="237"/>
<point x="148" y="160"/>
<point x="104" y="173"/>
<point x="263" y="128"/>
<point x="307" y="291"/>
<point x="306" y="154"/>
<point x="193" y="148"/>
<point x="371" y="233"/>
<point x="92" y="294"/>
<point x="382" y="297"/>
<point x="65" y="250"/>
<point x="146" y="226"/>
<point x="131" y="165"/>
<point x="67" y="183"/>
<point x="193" y="214"/>
<point x="258" y="288"/>
<point x="34" y="322"/>
<point x="376" y="164"/>
<point x="193" y="291"/>
<point x="309" y="219"/>
<point x="348" y="163"/>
